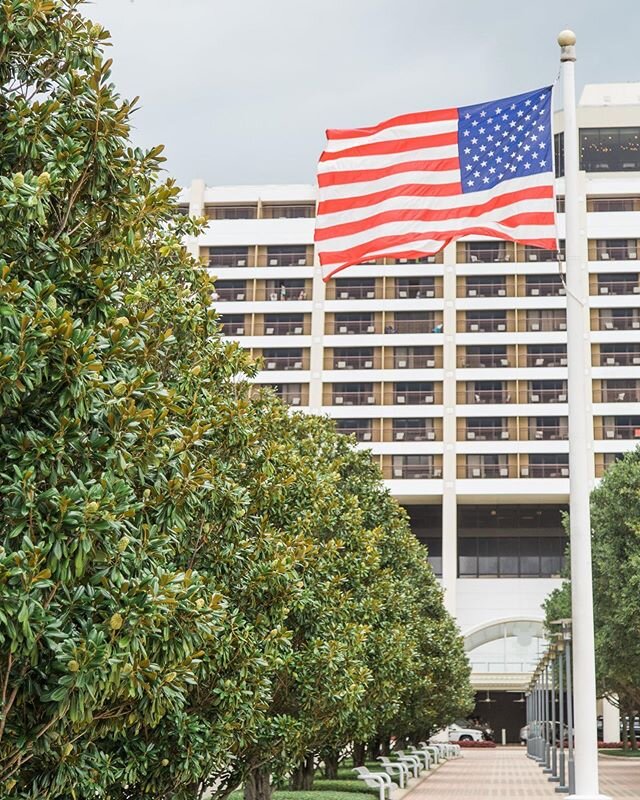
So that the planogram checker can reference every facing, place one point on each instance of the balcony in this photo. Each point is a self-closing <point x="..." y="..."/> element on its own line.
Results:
<point x="545" y="288"/>
<point x="229" y="259"/>
<point x="491" y="471"/>
<point x="486" y="289"/>
<point x="545" y="396"/>
<point x="546" y="359"/>
<point x="415" y="471"/>
<point x="354" y="327"/>
<point x="361" y="429"/>
<point x="542" y="469"/>
<point x="615" y="250"/>
<point x="418" y="397"/>
<point x="546" y="323"/>
<point x="618" y="431"/>
<point x="284" y="329"/>
<point x="548" y="432"/>
<point x="536" y="254"/>
<point x="282" y="362"/>
<point x="486" y="252"/>
<point x="481" y="361"/>
<point x="498" y="324"/>
<point x="415" y="291"/>
<point x="353" y="398"/>
<point x="486" y="433"/>
<point x="617" y="395"/>
<point x="484" y="396"/>
<point x="414" y="360"/>
<point x="618" y="287"/>
<point x="414" y="433"/>
<point x="612" y="358"/>
<point x="352" y="362"/>
<point x="619" y="322"/>
<point x="410" y="326"/>
<point x="285" y="257"/>
<point x="224" y="294"/>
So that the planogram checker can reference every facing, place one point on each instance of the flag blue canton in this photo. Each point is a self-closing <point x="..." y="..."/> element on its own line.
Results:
<point x="504" y="139"/>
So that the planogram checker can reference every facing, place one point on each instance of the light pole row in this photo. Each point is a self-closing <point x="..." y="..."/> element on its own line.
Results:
<point x="549" y="706"/>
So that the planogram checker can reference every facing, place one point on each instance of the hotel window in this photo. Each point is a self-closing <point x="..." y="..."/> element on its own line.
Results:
<point x="231" y="212"/>
<point x="487" y="465"/>
<point x="411" y="322"/>
<point x="609" y="149"/>
<point x="609" y="204"/>
<point x="486" y="286"/>
<point x="353" y="358"/>
<point x="538" y="254"/>
<point x="486" y="428"/>
<point x="551" y="428"/>
<point x="362" y="429"/>
<point x="228" y="256"/>
<point x="282" y="358"/>
<point x="486" y="252"/>
<point x="620" y="391"/>
<point x="546" y="465"/>
<point x="413" y="357"/>
<point x="292" y="255"/>
<point x="618" y="283"/>
<point x="353" y="394"/>
<point x="487" y="392"/>
<point x="413" y="393"/>
<point x="485" y="356"/>
<point x="355" y="288"/>
<point x="352" y="323"/>
<point x="414" y="467"/>
<point x="547" y="392"/>
<point x="619" y="355"/>
<point x="511" y="556"/>
<point x="627" y="427"/>
<point x="619" y="319"/>
<point x="283" y="324"/>
<point x="486" y="321"/>
<point x="285" y="289"/>
<point x="544" y="286"/>
<point x="414" y="288"/>
<point x="233" y="325"/>
<point x="419" y="429"/>
<point x="546" y="355"/>
<point x="548" y="319"/>
<point x="230" y="290"/>
<point x="616" y="249"/>
<point x="288" y="210"/>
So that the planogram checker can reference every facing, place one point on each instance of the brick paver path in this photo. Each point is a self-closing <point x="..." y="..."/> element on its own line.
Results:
<point x="508" y="773"/>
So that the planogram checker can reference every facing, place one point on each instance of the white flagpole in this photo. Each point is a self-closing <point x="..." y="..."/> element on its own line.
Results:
<point x="580" y="453"/>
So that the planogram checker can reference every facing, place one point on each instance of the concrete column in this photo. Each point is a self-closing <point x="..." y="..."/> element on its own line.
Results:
<point x="196" y="209"/>
<point x="449" y="501"/>
<point x="317" y="336"/>
<point x="611" y="721"/>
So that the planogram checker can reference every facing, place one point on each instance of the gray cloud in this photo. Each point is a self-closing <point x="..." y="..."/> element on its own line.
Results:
<point x="241" y="92"/>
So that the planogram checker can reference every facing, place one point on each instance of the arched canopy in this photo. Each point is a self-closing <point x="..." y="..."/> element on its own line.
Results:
<point x="526" y="629"/>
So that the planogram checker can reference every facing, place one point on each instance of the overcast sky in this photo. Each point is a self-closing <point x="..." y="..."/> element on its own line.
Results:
<point x="241" y="91"/>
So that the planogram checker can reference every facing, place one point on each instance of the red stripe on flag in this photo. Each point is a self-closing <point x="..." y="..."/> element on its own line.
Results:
<point x="369" y="249"/>
<point x="418" y="118"/>
<point x="393" y="146"/>
<point x="407" y="190"/>
<point x="433" y="215"/>
<point x="361" y="175"/>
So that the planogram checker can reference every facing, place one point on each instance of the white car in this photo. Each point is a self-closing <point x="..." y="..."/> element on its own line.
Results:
<point x="458" y="733"/>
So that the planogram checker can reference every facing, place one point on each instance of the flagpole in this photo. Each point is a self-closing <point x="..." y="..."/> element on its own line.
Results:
<point x="580" y="453"/>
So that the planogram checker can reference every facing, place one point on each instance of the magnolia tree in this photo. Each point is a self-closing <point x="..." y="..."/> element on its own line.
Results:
<point x="197" y="589"/>
<point x="615" y="541"/>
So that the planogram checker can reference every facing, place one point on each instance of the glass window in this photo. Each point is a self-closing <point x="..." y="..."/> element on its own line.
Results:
<point x="609" y="149"/>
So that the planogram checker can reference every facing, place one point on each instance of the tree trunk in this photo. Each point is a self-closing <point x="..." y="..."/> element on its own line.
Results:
<point x="385" y="746"/>
<point x="257" y="784"/>
<point x="632" y="730"/>
<point x="374" y="749"/>
<point x="302" y="776"/>
<point x="331" y="764"/>
<point x="625" y="731"/>
<point x="358" y="754"/>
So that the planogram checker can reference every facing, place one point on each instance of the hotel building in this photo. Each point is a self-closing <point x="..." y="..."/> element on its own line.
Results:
<point x="451" y="370"/>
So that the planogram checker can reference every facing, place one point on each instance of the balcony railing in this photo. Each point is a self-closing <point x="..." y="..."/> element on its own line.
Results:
<point x="355" y="327"/>
<point x="414" y="434"/>
<point x="486" y="325"/>
<point x="487" y="433"/>
<point x="545" y="396"/>
<point x="283" y="362"/>
<point x="356" y="293"/>
<point x="412" y="397"/>
<point x="616" y="253"/>
<point x="617" y="431"/>
<point x="548" y="432"/>
<point x="284" y="329"/>
<point x="620" y="359"/>
<point x="487" y="471"/>
<point x="617" y="395"/>
<point x="546" y="325"/>
<point x="619" y="323"/>
<point x="546" y="360"/>
<point x="410" y="326"/>
<point x="545" y="471"/>
<point x="487" y="255"/>
<point x="415" y="472"/>
<point x="361" y="434"/>
<point x="298" y="259"/>
<point x="353" y="362"/>
<point x="474" y="360"/>
<point x="223" y="295"/>
<point x="545" y="289"/>
<point x="415" y="292"/>
<point x="221" y="260"/>
<point x="487" y="290"/>
<point x="234" y="329"/>
<point x="353" y="398"/>
<point x="290" y="294"/>
<point x="618" y="287"/>
<point x="485" y="396"/>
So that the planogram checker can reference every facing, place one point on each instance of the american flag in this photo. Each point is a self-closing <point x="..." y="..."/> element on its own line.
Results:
<point x="408" y="186"/>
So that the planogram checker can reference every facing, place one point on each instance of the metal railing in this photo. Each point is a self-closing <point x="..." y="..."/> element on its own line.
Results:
<point x="415" y="472"/>
<point x="298" y="259"/>
<point x="545" y="471"/>
<point x="488" y="290"/>
<point x="414" y="434"/>
<point x="240" y="260"/>
<point x="353" y="362"/>
<point x="485" y="325"/>
<point x="544" y="396"/>
<point x="490" y="471"/>
<point x="618" y="287"/>
<point x="550" y="289"/>
<point x="283" y="362"/>
<point x="548" y="432"/>
<point x="410" y="326"/>
<point x="354" y="327"/>
<point x="353" y="398"/>
<point x="546" y="360"/>
<point x="546" y="325"/>
<point x="486" y="255"/>
<point x="412" y="397"/>
<point x="223" y="295"/>
<point x="620" y="359"/>
<point x="488" y="433"/>
<point x="617" y="395"/>
<point x="619" y="323"/>
<point x="357" y="293"/>
<point x="617" y="431"/>
<point x="484" y="396"/>
<point x="416" y="362"/>
<point x="285" y="329"/>
<point x="614" y="253"/>
<point x="416" y="292"/>
<point x="473" y="361"/>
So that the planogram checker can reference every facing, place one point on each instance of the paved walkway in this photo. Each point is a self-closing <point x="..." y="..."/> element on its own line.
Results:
<point x="507" y="772"/>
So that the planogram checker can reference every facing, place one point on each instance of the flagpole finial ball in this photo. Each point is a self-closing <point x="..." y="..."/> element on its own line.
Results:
<point x="566" y="38"/>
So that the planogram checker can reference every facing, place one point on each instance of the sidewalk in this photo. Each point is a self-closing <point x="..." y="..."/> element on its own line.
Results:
<point x="508" y="773"/>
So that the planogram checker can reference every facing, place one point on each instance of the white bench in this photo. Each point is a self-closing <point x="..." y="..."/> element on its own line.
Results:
<point x="376" y="780"/>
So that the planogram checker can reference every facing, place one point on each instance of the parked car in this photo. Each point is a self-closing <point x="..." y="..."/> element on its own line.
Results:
<point x="462" y="731"/>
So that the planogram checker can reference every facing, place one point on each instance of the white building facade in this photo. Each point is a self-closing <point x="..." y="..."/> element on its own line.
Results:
<point x="452" y="370"/>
